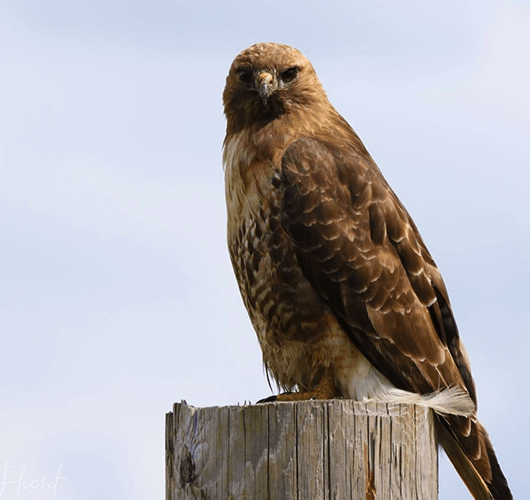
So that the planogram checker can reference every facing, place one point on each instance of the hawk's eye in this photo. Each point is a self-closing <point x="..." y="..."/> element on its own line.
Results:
<point x="290" y="74"/>
<point x="245" y="75"/>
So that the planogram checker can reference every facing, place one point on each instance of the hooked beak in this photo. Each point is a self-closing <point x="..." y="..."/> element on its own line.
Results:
<point x="266" y="86"/>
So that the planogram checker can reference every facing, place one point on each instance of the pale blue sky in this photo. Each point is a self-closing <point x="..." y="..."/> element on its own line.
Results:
<point x="117" y="294"/>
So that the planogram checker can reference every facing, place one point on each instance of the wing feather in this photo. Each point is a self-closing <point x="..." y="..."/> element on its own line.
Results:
<point x="358" y="247"/>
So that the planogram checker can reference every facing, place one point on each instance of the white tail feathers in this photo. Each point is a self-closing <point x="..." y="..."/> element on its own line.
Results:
<point x="365" y="383"/>
<point x="449" y="401"/>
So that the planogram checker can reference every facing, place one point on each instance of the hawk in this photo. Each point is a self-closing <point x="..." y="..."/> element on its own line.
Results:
<point x="344" y="296"/>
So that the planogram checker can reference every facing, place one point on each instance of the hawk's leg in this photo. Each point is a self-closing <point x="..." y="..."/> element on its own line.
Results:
<point x="324" y="390"/>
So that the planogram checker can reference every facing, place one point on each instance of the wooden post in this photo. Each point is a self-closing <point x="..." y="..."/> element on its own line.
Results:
<point x="311" y="450"/>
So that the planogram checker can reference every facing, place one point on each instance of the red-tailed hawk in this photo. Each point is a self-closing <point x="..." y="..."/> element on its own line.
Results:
<point x="343" y="294"/>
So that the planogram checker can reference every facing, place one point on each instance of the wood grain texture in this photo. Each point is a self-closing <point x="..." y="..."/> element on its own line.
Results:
<point x="317" y="450"/>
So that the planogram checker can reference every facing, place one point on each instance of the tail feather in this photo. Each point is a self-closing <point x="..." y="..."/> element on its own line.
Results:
<point x="499" y="485"/>
<point x="489" y="484"/>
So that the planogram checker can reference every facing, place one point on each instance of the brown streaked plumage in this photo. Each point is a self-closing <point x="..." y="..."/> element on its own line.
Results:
<point x="343" y="294"/>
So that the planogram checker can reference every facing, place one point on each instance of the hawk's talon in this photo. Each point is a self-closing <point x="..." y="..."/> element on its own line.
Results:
<point x="270" y="399"/>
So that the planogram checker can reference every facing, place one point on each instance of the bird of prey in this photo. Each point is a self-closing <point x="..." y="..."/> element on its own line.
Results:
<point x="344" y="296"/>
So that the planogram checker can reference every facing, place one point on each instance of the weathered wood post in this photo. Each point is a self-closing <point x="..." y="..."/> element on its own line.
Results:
<point x="312" y="450"/>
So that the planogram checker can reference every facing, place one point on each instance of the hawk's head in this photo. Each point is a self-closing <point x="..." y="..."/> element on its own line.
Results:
<point x="266" y="81"/>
